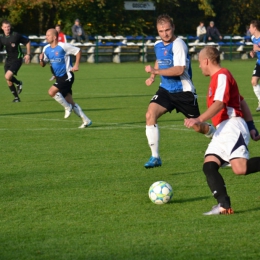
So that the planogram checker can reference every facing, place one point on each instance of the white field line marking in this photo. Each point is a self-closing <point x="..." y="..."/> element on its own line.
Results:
<point x="95" y="125"/>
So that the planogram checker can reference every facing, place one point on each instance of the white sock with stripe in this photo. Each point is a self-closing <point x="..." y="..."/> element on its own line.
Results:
<point x="257" y="91"/>
<point x="61" y="100"/>
<point x="153" y="136"/>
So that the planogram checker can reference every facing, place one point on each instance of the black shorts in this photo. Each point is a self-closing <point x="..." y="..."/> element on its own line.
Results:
<point x="184" y="102"/>
<point x="13" y="65"/>
<point x="64" y="84"/>
<point x="256" y="71"/>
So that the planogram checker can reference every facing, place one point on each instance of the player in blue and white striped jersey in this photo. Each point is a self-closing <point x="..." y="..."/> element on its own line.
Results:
<point x="58" y="54"/>
<point x="255" y="32"/>
<point x="176" y="90"/>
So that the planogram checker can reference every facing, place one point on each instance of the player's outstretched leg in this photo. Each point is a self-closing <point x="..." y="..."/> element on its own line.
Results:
<point x="78" y="111"/>
<point x="257" y="93"/>
<point x="18" y="83"/>
<point x="14" y="92"/>
<point x="218" y="189"/>
<point x="19" y="87"/>
<point x="68" y="107"/>
<point x="153" y="136"/>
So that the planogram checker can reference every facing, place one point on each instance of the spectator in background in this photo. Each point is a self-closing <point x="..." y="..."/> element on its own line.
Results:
<point x="213" y="34"/>
<point x="61" y="36"/>
<point x="201" y="32"/>
<point x="78" y="33"/>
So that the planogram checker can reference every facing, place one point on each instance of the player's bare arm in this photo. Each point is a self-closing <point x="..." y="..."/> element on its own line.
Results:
<point x="27" y="56"/>
<point x="252" y="54"/>
<point x="249" y="120"/>
<point x="256" y="47"/>
<point x="150" y="80"/>
<point x="171" y="72"/>
<point x="76" y="64"/>
<point x="41" y="61"/>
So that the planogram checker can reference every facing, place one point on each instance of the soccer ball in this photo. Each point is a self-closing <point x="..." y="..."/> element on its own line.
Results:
<point x="160" y="192"/>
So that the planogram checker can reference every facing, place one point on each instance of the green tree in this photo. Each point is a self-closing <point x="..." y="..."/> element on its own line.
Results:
<point x="108" y="17"/>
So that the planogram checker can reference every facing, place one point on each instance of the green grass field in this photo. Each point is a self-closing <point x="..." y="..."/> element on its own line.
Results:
<point x="69" y="193"/>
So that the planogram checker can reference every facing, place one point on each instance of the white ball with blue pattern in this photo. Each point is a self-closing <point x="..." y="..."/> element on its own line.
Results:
<point x="160" y="192"/>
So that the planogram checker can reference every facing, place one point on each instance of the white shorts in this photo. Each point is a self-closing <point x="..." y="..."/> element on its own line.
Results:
<point x="230" y="140"/>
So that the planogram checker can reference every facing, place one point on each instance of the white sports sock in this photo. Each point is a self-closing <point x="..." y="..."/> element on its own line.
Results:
<point x="257" y="91"/>
<point x="60" y="99"/>
<point x="78" y="111"/>
<point x="153" y="136"/>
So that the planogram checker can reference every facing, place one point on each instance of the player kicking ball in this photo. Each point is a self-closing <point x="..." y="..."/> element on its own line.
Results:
<point x="58" y="54"/>
<point x="234" y="125"/>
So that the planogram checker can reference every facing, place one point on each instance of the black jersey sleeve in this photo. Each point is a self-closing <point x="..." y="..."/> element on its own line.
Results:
<point x="23" y="39"/>
<point x="1" y="44"/>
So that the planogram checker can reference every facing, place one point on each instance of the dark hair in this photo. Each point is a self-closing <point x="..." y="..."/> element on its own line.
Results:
<point x="256" y="23"/>
<point x="213" y="54"/>
<point x="6" y="22"/>
<point x="165" y="18"/>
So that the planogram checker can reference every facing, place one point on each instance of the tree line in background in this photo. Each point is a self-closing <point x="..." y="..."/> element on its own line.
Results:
<point x="108" y="17"/>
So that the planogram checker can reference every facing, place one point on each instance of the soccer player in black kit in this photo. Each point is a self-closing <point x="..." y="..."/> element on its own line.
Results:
<point x="14" y="59"/>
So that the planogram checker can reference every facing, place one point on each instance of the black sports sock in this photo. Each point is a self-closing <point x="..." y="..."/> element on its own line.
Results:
<point x="253" y="165"/>
<point x="14" y="80"/>
<point x="13" y="90"/>
<point x="216" y="184"/>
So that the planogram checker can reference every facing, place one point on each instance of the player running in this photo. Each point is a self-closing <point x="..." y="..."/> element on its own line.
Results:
<point x="14" y="60"/>
<point x="58" y="54"/>
<point x="255" y="32"/>
<point x="229" y="144"/>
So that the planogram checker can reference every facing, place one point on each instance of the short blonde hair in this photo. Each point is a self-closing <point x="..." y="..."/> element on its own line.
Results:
<point x="212" y="54"/>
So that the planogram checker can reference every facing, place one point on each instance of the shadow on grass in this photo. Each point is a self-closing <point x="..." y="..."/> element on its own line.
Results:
<point x="181" y="173"/>
<point x="53" y="111"/>
<point x="247" y="210"/>
<point x="189" y="199"/>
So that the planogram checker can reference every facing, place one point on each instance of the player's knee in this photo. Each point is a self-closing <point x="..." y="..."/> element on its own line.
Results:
<point x="7" y="77"/>
<point x="239" y="171"/>
<point x="151" y="118"/>
<point x="148" y="115"/>
<point x="51" y="93"/>
<point x="254" y="82"/>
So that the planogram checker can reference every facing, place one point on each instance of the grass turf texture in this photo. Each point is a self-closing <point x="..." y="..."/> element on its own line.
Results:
<point x="69" y="193"/>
